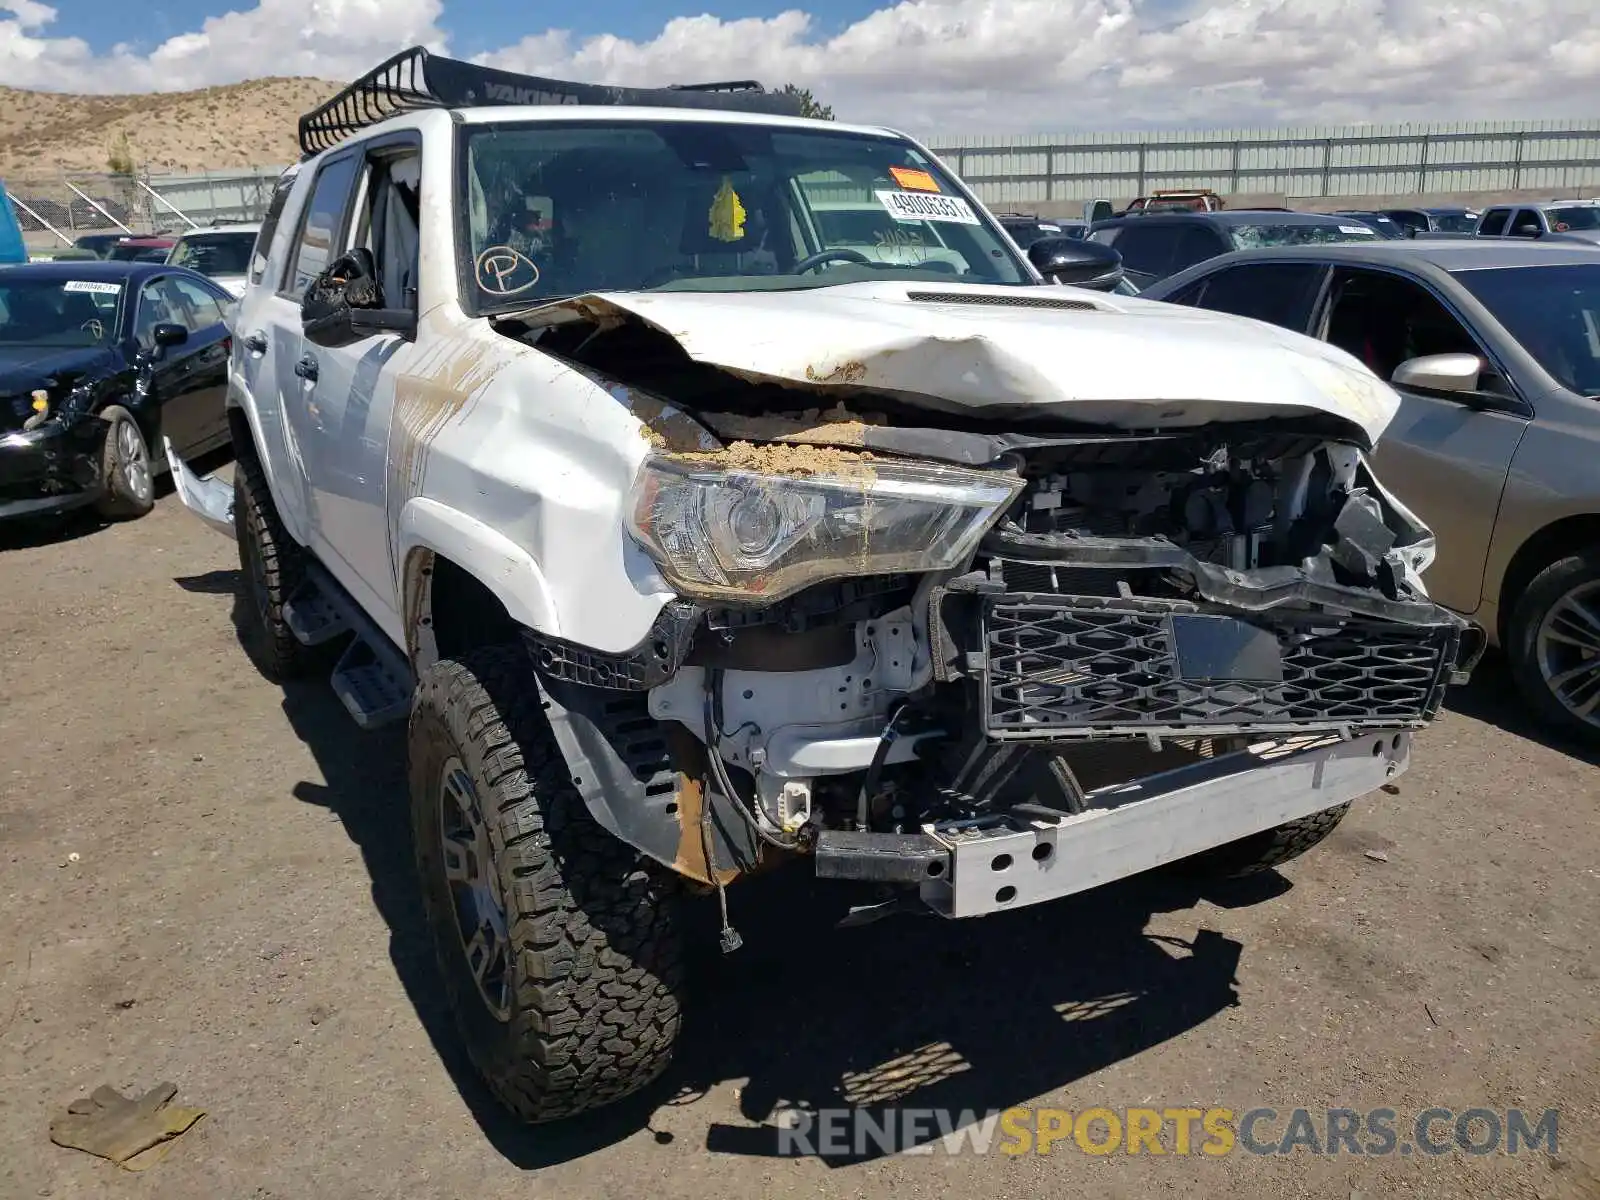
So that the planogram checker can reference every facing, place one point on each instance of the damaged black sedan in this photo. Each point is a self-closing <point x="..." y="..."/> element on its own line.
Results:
<point x="98" y="360"/>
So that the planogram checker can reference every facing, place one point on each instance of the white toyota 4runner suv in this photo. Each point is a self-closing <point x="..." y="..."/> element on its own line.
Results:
<point x="689" y="545"/>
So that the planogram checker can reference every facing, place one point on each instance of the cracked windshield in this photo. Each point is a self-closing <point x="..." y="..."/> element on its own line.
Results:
<point x="682" y="205"/>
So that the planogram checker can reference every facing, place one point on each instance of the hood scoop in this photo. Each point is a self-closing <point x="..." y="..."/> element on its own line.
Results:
<point x="995" y="300"/>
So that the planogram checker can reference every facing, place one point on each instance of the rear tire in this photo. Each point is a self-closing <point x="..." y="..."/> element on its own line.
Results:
<point x="558" y="943"/>
<point x="1556" y="611"/>
<point x="125" y="469"/>
<point x="1270" y="848"/>
<point x="271" y="566"/>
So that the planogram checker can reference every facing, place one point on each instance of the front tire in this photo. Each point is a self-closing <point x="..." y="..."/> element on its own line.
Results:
<point x="1261" y="852"/>
<point x="1554" y="644"/>
<point x="558" y="943"/>
<point x="125" y="470"/>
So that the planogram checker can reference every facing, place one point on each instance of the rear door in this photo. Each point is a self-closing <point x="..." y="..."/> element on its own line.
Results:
<point x="268" y="328"/>
<point x="207" y="349"/>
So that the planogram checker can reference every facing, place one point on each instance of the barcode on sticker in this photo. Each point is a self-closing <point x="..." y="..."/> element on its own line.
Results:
<point x="923" y="206"/>
<point x="92" y="287"/>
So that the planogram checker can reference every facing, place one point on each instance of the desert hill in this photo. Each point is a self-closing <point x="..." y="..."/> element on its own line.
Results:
<point x="236" y="125"/>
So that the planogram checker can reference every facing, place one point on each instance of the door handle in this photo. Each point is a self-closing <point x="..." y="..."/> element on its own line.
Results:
<point x="256" y="342"/>
<point x="306" y="368"/>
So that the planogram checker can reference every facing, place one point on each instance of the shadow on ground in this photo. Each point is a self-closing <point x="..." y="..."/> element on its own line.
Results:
<point x="911" y="1012"/>
<point x="1492" y="697"/>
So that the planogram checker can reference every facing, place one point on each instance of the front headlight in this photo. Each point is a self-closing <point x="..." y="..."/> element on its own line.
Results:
<point x="747" y="535"/>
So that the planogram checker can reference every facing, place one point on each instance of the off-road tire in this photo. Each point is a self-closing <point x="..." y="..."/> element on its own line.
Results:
<point x="595" y="972"/>
<point x="1522" y="634"/>
<point x="271" y="566"/>
<point x="118" y="502"/>
<point x="1265" y="850"/>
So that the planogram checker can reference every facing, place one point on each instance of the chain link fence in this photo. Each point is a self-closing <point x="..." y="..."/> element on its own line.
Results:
<point x="56" y="208"/>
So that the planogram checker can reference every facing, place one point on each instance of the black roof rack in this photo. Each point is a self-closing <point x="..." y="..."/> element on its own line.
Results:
<point x="416" y="79"/>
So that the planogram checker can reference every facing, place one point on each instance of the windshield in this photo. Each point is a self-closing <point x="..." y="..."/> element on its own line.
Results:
<point x="1386" y="226"/>
<point x="1563" y="219"/>
<point x="214" y="253"/>
<point x="1455" y="222"/>
<point x="559" y="210"/>
<point x="1249" y="237"/>
<point x="57" y="312"/>
<point x="1554" y="312"/>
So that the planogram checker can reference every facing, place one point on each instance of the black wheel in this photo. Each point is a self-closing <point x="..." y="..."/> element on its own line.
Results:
<point x="1553" y="641"/>
<point x="271" y="566"/>
<point x="558" y="943"/>
<point x="1268" y="849"/>
<point x="125" y="471"/>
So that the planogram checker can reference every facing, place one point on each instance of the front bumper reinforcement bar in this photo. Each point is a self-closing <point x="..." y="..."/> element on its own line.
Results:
<point x="1018" y="859"/>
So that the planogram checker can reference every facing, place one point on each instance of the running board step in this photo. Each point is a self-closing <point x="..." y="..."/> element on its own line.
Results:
<point x="372" y="688"/>
<point x="312" y="617"/>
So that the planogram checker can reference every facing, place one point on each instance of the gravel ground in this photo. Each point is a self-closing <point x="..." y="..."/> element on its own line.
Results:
<point x="240" y="919"/>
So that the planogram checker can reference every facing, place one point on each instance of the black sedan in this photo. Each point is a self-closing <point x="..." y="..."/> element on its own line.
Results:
<point x="99" y="360"/>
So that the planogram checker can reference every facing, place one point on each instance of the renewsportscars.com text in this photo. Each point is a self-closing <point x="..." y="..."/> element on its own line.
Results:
<point x="1177" y="1131"/>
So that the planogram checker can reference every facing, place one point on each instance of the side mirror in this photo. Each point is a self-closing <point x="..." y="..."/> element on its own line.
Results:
<point x="163" y="336"/>
<point x="1077" y="262"/>
<point x="344" y="305"/>
<point x="1439" y="373"/>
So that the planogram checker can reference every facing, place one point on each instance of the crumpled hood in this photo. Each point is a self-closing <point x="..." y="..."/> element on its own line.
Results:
<point x="24" y="368"/>
<point x="1114" y="361"/>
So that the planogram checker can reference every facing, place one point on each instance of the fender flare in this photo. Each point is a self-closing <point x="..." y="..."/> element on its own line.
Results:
<point x="494" y="560"/>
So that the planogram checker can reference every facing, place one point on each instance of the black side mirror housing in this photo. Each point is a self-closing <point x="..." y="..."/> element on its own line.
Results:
<point x="168" y="334"/>
<point x="1080" y="263"/>
<point x="344" y="305"/>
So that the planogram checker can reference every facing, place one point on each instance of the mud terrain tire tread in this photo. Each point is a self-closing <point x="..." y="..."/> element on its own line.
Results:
<point x="596" y="953"/>
<point x="277" y="652"/>
<point x="1268" y="849"/>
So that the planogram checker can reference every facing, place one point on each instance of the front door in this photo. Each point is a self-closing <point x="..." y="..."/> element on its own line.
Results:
<point x="1446" y="456"/>
<point x="343" y="397"/>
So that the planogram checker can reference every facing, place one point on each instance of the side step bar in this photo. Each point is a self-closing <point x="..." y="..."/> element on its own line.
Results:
<point x="208" y="497"/>
<point x="372" y="678"/>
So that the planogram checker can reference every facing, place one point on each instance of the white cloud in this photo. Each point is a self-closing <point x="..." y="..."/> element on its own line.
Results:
<point x="957" y="65"/>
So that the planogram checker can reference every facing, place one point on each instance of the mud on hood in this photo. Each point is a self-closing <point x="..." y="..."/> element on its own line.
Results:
<point x="1041" y="351"/>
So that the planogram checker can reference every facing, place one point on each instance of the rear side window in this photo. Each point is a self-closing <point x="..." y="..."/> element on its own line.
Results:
<point x="1494" y="222"/>
<point x="1279" y="293"/>
<point x="1527" y="224"/>
<point x="1147" y="249"/>
<point x="322" y="224"/>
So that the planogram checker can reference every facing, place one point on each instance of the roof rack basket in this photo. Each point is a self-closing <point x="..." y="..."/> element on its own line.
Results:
<point x="416" y="79"/>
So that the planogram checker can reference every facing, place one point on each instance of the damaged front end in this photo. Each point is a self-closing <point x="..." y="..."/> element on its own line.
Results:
<point x="986" y="669"/>
<point x="1001" y="685"/>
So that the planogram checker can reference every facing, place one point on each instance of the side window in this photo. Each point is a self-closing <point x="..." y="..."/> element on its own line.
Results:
<point x="201" y="308"/>
<point x="1525" y="224"/>
<point x="1195" y="245"/>
<point x="1192" y="294"/>
<point x="1147" y="249"/>
<point x="389" y="224"/>
<point x="321" y="225"/>
<point x="1412" y="222"/>
<point x="160" y="303"/>
<point x="1385" y="320"/>
<point x="269" y="227"/>
<point x="1280" y="293"/>
<point x="1493" y="223"/>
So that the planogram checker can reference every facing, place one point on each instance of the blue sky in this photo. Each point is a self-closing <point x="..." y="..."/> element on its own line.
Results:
<point x="473" y="28"/>
<point x="971" y="66"/>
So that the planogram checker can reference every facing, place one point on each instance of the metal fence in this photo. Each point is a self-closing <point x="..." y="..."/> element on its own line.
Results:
<point x="1347" y="160"/>
<point x="60" y="207"/>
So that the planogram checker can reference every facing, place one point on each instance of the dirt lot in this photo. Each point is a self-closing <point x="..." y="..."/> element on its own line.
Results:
<point x="240" y="920"/>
